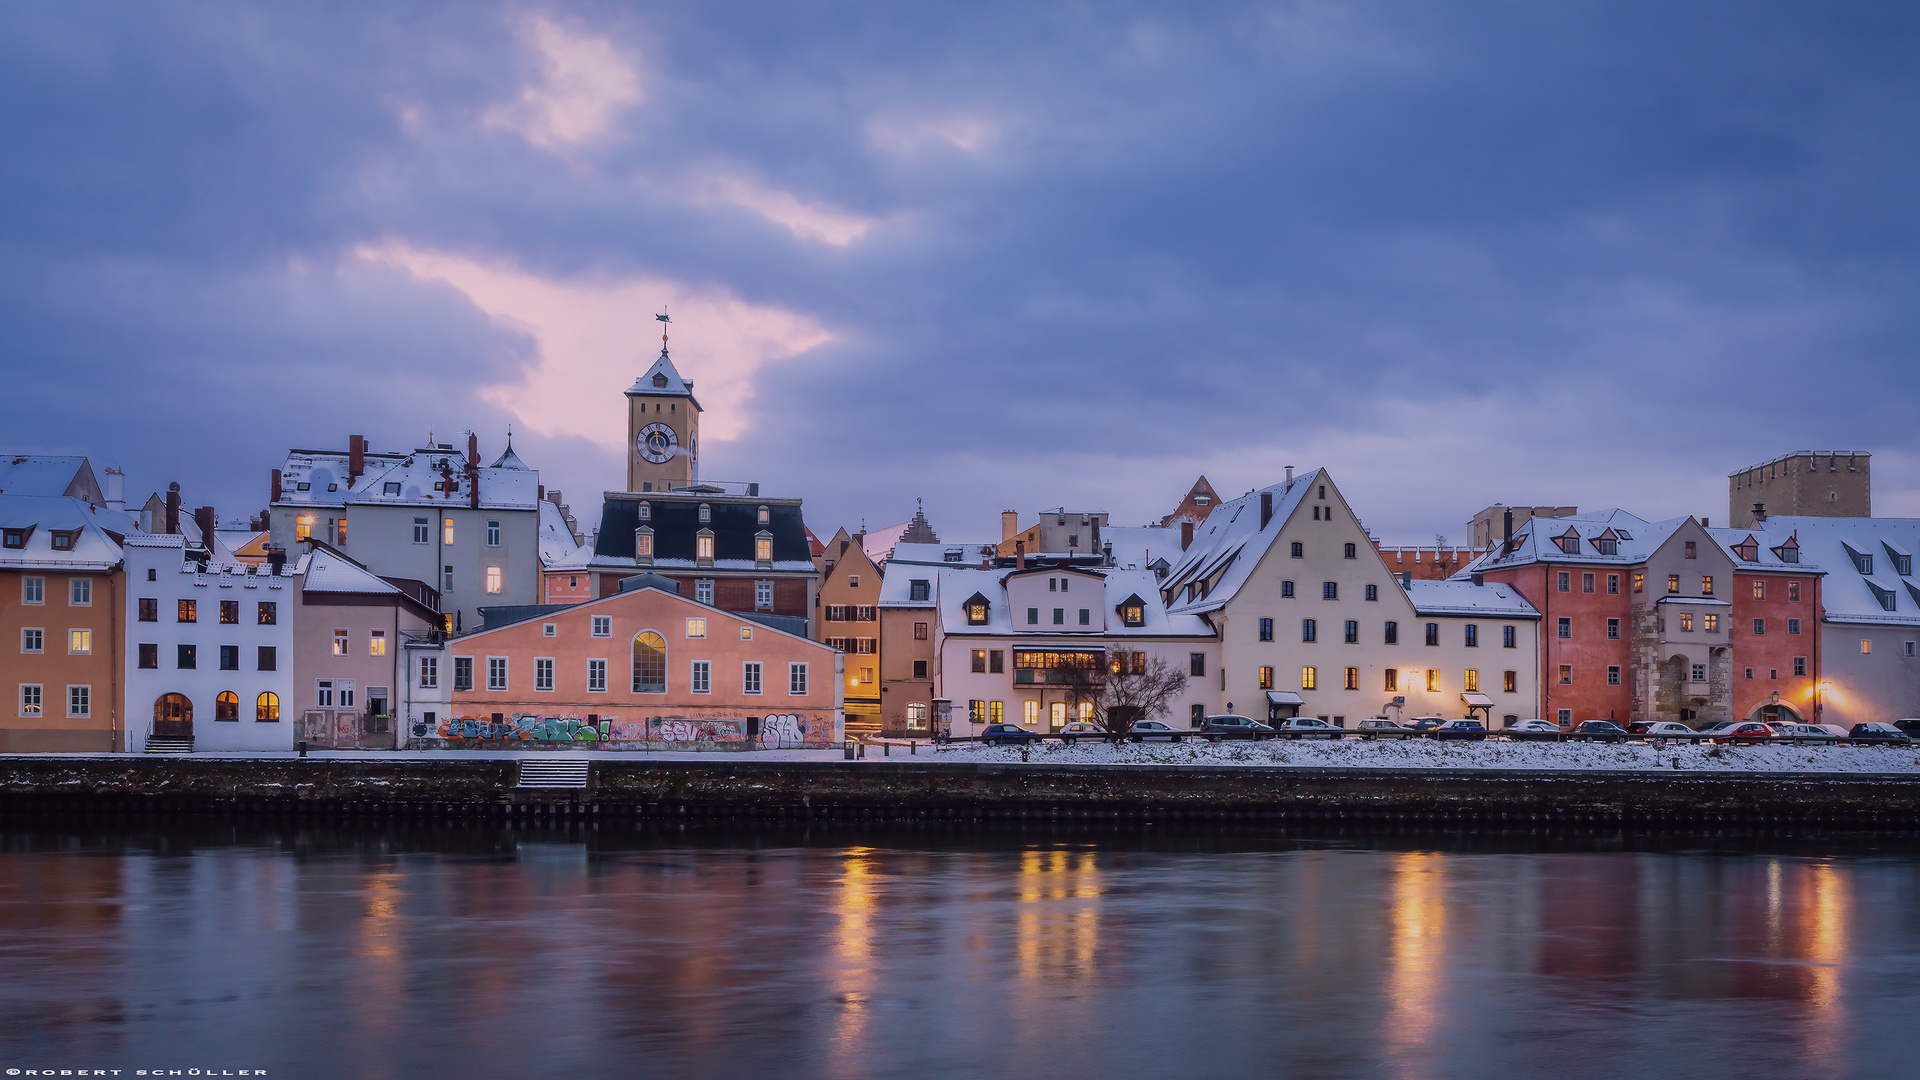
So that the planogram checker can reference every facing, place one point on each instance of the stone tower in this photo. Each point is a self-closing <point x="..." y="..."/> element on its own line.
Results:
<point x="663" y="429"/>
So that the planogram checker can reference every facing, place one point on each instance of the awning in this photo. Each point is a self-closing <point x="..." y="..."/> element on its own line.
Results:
<point x="1476" y="700"/>
<point x="1284" y="697"/>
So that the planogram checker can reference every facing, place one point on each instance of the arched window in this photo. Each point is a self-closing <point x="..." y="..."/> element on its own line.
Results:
<point x="266" y="708"/>
<point x="226" y="706"/>
<point x="649" y="663"/>
<point x="173" y="715"/>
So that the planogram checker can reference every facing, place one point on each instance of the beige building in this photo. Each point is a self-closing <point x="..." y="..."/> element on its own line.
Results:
<point x="1057" y="532"/>
<point x="1490" y="525"/>
<point x="846" y="617"/>
<point x="1805" y="483"/>
<point x="663" y="429"/>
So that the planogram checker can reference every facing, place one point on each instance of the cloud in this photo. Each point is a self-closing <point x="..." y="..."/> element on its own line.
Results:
<point x="584" y="83"/>
<point x="594" y="336"/>
<point x="806" y="220"/>
<point x="907" y="135"/>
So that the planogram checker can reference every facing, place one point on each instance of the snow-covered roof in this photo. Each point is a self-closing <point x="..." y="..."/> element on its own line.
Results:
<point x="508" y="459"/>
<point x="880" y="544"/>
<point x="1634" y="539"/>
<point x="48" y="475"/>
<point x="327" y="572"/>
<point x="670" y="382"/>
<point x="556" y="540"/>
<point x="1138" y="547"/>
<point x="1732" y="541"/>
<point x="1230" y="543"/>
<point x="1864" y="585"/>
<point x="428" y="476"/>
<point x="941" y="554"/>
<point x="94" y="549"/>
<point x="953" y="588"/>
<point x="896" y="585"/>
<point x="1493" y="599"/>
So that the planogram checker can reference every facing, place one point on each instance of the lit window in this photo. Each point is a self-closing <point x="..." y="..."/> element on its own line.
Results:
<point x="763" y="551"/>
<point x="1353" y="678"/>
<point x="79" y="641"/>
<point x="377" y="643"/>
<point x="703" y="547"/>
<point x="187" y="611"/>
<point x="766" y="515"/>
<point x="1266" y="678"/>
<point x="1309" y="678"/>
<point x="1639" y="581"/>
<point x="1673" y="583"/>
<point x="1710" y="623"/>
<point x="493" y="579"/>
<point x="1706" y="585"/>
<point x="1793" y="591"/>
<point x="226" y="706"/>
<point x="1510" y="682"/>
<point x="696" y="628"/>
<point x="266" y="708"/>
<point x="303" y="527"/>
<point x="649" y="663"/>
<point x="1566" y="674"/>
<point x="339" y="643"/>
<point x="1471" y="680"/>
<point x="446" y="531"/>
<point x="643" y="543"/>
<point x="1759" y="588"/>
<point x="1433" y="681"/>
<point x="1392" y="680"/>
<point x="917" y="715"/>
<point x="1686" y="621"/>
<point x="746" y="633"/>
<point x="1866" y="646"/>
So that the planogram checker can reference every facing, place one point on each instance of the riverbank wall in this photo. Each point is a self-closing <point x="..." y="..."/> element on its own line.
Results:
<point x="729" y="787"/>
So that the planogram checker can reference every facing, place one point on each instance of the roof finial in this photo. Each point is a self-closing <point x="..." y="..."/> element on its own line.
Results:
<point x="663" y="329"/>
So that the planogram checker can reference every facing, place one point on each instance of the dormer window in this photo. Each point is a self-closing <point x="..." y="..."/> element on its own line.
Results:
<point x="977" y="609"/>
<point x="1133" y="611"/>
<point x="706" y="513"/>
<point x="1568" y="542"/>
<point x="763" y="547"/>
<point x="17" y="538"/>
<point x="1202" y="500"/>
<point x="1789" y="552"/>
<point x="951" y="556"/>
<point x="660" y="379"/>
<point x="643" y="543"/>
<point x="919" y="590"/>
<point x="62" y="539"/>
<point x="1609" y="547"/>
<point x="766" y="516"/>
<point x="1748" y="549"/>
<point x="703" y="546"/>
<point x="646" y="511"/>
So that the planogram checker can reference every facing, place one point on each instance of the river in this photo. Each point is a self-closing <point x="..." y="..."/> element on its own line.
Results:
<point x="419" y="950"/>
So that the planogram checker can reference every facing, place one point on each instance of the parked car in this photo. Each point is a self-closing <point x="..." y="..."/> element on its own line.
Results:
<point x="1459" y="729"/>
<point x="1599" y="731"/>
<point x="1308" y="727"/>
<point x="1910" y="726"/>
<point x="1800" y="732"/>
<point x="1715" y="729"/>
<point x="1229" y="726"/>
<point x="1835" y="730"/>
<point x="1081" y="729"/>
<point x="1426" y="723"/>
<point x="1379" y="727"/>
<point x="1662" y="729"/>
<point x="1006" y="735"/>
<point x="1878" y="732"/>
<point x="1154" y="731"/>
<point x="1534" y="730"/>
<point x="1742" y="733"/>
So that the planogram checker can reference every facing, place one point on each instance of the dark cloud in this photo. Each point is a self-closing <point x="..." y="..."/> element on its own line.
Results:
<point x="1595" y="253"/>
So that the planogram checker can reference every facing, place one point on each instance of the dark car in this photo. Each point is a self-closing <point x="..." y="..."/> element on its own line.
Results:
<point x="1005" y="735"/>
<point x="1216" y="728"/>
<point x="1459" y="729"/>
<point x="1425" y="723"/>
<point x="1876" y="732"/>
<point x="1911" y="727"/>
<point x="1599" y="731"/>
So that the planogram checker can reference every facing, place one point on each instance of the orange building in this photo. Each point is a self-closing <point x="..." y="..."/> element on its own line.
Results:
<point x="62" y="591"/>
<point x="644" y="667"/>
<point x="848" y="619"/>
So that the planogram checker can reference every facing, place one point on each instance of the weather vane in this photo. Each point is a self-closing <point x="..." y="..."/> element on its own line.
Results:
<point x="663" y="328"/>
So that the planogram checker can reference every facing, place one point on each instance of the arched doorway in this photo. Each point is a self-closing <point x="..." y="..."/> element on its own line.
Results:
<point x="650" y="664"/>
<point x="1768" y="712"/>
<point x="173" y="716"/>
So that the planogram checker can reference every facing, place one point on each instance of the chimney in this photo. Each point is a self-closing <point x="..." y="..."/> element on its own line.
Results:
<point x="1019" y="554"/>
<point x="1506" y="538"/>
<point x="753" y="491"/>
<point x="356" y="457"/>
<point x="116" y="492"/>
<point x="1266" y="508"/>
<point x="1108" y="553"/>
<point x="1186" y="533"/>
<point x="473" y="471"/>
<point x="173" y="508"/>
<point x="276" y="488"/>
<point x="1009" y="524"/>
<point x="542" y="496"/>
<point x="276" y="558"/>
<point x="1479" y="578"/>
<point x="204" y="518"/>
<point x="1759" y="513"/>
<point x="1289" y="474"/>
<point x="1406" y="579"/>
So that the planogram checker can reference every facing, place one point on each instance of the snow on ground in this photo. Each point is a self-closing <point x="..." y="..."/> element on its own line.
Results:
<point x="1429" y="754"/>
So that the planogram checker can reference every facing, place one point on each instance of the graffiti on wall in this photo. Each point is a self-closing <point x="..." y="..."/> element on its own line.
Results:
<point x="523" y="728"/>
<point x="790" y="730"/>
<point x="774" y="732"/>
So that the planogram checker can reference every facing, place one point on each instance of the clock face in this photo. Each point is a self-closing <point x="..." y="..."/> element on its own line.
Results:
<point x="657" y="443"/>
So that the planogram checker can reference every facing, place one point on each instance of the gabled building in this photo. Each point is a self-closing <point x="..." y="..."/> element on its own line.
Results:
<point x="431" y="514"/>
<point x="367" y="653"/>
<point x="1194" y="507"/>
<point x="57" y="476"/>
<point x="1057" y="532"/>
<point x="1312" y="622"/>
<point x="62" y="647"/>
<point x="847" y="618"/>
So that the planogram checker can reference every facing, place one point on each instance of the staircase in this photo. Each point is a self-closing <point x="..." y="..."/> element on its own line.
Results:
<point x="169" y="744"/>
<point x="553" y="771"/>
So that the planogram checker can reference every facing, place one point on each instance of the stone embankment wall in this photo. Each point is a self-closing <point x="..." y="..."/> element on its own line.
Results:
<point x="726" y="786"/>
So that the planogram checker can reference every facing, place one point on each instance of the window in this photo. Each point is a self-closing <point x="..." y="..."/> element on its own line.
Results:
<point x="603" y="626"/>
<point x="980" y="661"/>
<point x="1699" y="673"/>
<point x="1507" y="637"/>
<point x="1639" y="581"/>
<point x="1706" y="584"/>
<point x="229" y="658"/>
<point x="763" y="594"/>
<point x="266" y="658"/>
<point x="493" y="534"/>
<point x="1710" y="623"/>
<point x="79" y="592"/>
<point x="1472" y="635"/>
<point x="1392" y="680"/>
<point x="496" y="673"/>
<point x="1433" y="681"/>
<point x="1800" y="667"/>
<point x="377" y="643"/>
<point x="1392" y="633"/>
<point x="1286" y="590"/>
<point x="1565" y="717"/>
<point x="1352" y="632"/>
<point x="996" y="712"/>
<point x="596" y="676"/>
<point x="646" y="511"/>
<point x="1196" y="664"/>
<point x="80" y="642"/>
<point x="1329" y="590"/>
<point x="702" y="677"/>
<point x="1132" y="614"/>
<point x="997" y="661"/>
<point x="1613" y="584"/>
<point x="797" y="680"/>
<point x="919" y="669"/>
<point x="1353" y="678"/>
<point x="16" y="538"/>
<point x="226" y="707"/>
<point x="1609" y="547"/>
<point x="79" y="701"/>
<point x="1613" y="675"/>
<point x="649" y="663"/>
<point x="1470" y="679"/>
<point x="977" y="711"/>
<point x="1510" y="682"/>
<point x="463" y="673"/>
<point x="1586" y="583"/>
<point x="1296" y="550"/>
<point x="1566" y="674"/>
<point x="33" y="590"/>
<point x="1309" y="678"/>
<point x="750" y="677"/>
<point x="1866" y="646"/>
<point x="1433" y="633"/>
<point x="339" y="643"/>
<point x="230" y="612"/>
<point x="548" y="630"/>
<point x="706" y="513"/>
<point x="1266" y="629"/>
<point x="493" y="579"/>
<point x="919" y="631"/>
<point x="1793" y="626"/>
<point x="1690" y="549"/>
<point x="1793" y="591"/>
<point x="1350" y="552"/>
<point x="446" y="579"/>
<point x="1565" y="581"/>
<point x="1086" y="617"/>
<point x="149" y="610"/>
<point x="186" y="611"/>
<point x="33" y="640"/>
<point x="446" y="530"/>
<point x="1373" y="592"/>
<point x="186" y="657"/>
<point x="919" y="590"/>
<point x="429" y="672"/>
<point x="1059" y="616"/>
<point x="150" y="656"/>
<point x="1266" y="678"/>
<point x="266" y="708"/>
<point x="1686" y="621"/>
<point x="1309" y="630"/>
<point x="643" y="543"/>
<point x="1613" y="629"/>
<point x="703" y="546"/>
<point x="543" y="673"/>
<point x="29" y="699"/>
<point x="422" y="530"/>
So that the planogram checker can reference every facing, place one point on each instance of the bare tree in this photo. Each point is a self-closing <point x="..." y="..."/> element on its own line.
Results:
<point x="1131" y="688"/>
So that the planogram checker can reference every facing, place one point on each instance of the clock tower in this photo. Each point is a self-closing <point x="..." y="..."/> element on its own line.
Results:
<point x="663" y="427"/>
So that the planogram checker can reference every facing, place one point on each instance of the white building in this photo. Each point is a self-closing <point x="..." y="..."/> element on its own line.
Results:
<point x="1006" y="641"/>
<point x="209" y="650"/>
<point x="1311" y="621"/>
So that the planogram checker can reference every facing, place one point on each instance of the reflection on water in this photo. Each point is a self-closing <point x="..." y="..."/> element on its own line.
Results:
<point x="492" y="952"/>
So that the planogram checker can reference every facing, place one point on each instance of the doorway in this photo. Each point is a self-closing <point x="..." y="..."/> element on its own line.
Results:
<point x="173" y="716"/>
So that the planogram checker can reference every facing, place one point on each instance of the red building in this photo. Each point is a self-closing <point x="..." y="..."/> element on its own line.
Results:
<point x="1776" y="628"/>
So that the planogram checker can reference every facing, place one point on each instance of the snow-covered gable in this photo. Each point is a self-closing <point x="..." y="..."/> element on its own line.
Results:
<point x="326" y="572"/>
<point x="661" y="379"/>
<point x="1583" y="539"/>
<point x="1881" y="588"/>
<point x="880" y="544"/>
<point x="1230" y="543"/>
<point x="49" y="475"/>
<point x="1463" y="597"/>
<point x="556" y="540"/>
<point x="953" y="588"/>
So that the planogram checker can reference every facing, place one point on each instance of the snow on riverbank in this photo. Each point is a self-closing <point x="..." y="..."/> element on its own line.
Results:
<point x="1428" y="754"/>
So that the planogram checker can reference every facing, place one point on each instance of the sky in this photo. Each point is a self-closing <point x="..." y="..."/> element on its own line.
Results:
<point x="989" y="256"/>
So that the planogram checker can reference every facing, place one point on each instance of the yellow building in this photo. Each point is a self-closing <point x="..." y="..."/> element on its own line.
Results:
<point x="848" y="620"/>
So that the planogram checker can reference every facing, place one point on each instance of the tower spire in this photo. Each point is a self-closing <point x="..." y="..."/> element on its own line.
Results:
<point x="663" y="329"/>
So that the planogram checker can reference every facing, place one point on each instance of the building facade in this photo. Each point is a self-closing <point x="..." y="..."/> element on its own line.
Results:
<point x="663" y="429"/>
<point x="62" y="624"/>
<point x="1805" y="483"/>
<point x="360" y="647"/>
<point x="847" y="617"/>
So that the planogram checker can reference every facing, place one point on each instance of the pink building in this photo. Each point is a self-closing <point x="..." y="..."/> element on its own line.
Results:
<point x="643" y="668"/>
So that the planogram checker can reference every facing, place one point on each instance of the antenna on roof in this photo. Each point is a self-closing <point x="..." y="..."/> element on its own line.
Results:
<point x="663" y="329"/>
